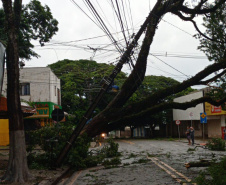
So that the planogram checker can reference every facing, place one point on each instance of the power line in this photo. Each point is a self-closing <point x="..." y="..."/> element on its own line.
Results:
<point x="85" y="13"/>
<point x="121" y="23"/>
<point x="103" y="25"/>
<point x="169" y="65"/>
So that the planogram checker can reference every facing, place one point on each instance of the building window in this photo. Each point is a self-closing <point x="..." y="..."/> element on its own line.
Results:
<point x="24" y="89"/>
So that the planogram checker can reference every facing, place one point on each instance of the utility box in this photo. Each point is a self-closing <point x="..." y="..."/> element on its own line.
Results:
<point x="4" y="132"/>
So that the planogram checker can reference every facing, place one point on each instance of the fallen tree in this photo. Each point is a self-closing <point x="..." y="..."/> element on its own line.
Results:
<point x="117" y="113"/>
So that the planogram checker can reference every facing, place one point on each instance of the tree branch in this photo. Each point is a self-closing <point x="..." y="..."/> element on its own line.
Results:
<point x="199" y="11"/>
<point x="113" y="114"/>
<point x="136" y="77"/>
<point x="160" y="107"/>
<point x="196" y="27"/>
<point x="212" y="79"/>
<point x="156" y="97"/>
<point x="178" y="10"/>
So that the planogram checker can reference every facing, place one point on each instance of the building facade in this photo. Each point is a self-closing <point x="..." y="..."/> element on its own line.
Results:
<point x="40" y="86"/>
<point x="216" y="117"/>
<point x="37" y="84"/>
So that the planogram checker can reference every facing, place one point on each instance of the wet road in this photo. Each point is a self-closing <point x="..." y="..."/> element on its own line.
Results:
<point x="148" y="162"/>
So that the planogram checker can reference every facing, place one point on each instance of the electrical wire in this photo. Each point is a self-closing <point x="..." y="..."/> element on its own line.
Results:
<point x="103" y="25"/>
<point x="169" y="65"/>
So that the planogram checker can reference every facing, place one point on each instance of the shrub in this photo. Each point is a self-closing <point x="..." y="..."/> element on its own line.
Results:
<point x="217" y="144"/>
<point x="77" y="157"/>
<point x="114" y="162"/>
<point x="52" y="139"/>
<point x="216" y="174"/>
<point x="111" y="149"/>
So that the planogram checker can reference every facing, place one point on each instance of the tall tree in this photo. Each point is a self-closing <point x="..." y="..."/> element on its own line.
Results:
<point x="213" y="40"/>
<point x="17" y="168"/>
<point x="16" y="36"/>
<point x="37" y="23"/>
<point x="213" y="44"/>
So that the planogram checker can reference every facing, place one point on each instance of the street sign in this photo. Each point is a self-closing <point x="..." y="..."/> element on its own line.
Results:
<point x="57" y="115"/>
<point x="178" y="125"/>
<point x="203" y="117"/>
<point x="177" y="122"/>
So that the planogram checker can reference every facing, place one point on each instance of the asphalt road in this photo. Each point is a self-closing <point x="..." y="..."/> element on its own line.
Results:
<point x="148" y="162"/>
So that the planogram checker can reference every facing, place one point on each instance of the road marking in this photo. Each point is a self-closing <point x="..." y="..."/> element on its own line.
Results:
<point x="127" y="142"/>
<point x="157" y="162"/>
<point x="178" y="173"/>
<point x="167" y="171"/>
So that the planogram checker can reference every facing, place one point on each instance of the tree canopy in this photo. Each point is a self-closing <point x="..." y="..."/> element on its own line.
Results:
<point x="37" y="23"/>
<point x="80" y="82"/>
<point x="213" y="44"/>
<point x="213" y="40"/>
<point x="152" y="84"/>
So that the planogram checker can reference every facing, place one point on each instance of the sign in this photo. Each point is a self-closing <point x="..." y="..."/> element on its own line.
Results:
<point x="214" y="110"/>
<point x="177" y="122"/>
<point x="191" y="114"/>
<point x="41" y="113"/>
<point x="44" y="110"/>
<point x="203" y="117"/>
<point x="57" y="115"/>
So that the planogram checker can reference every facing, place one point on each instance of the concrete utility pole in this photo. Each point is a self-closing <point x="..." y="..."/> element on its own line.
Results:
<point x="107" y="83"/>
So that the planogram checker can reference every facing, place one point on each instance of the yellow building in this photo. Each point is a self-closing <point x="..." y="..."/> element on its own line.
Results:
<point x="4" y="132"/>
<point x="4" y="123"/>
<point x="216" y="120"/>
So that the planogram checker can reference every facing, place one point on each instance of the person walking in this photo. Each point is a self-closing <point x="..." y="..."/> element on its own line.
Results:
<point x="192" y="135"/>
<point x="188" y="135"/>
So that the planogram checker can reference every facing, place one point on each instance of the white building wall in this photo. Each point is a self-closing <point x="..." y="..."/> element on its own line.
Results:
<point x="54" y="85"/>
<point x="42" y="84"/>
<point x="185" y="114"/>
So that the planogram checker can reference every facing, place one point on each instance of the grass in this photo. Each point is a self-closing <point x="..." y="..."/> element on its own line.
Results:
<point x="191" y="150"/>
<point x="168" y="155"/>
<point x="132" y="155"/>
<point x="140" y="161"/>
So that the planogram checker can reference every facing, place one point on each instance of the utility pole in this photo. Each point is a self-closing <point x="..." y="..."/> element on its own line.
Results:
<point x="107" y="82"/>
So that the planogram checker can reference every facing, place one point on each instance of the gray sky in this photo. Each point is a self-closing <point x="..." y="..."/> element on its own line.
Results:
<point x="173" y="37"/>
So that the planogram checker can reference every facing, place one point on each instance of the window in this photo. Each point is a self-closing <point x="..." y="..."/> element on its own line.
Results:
<point x="24" y="89"/>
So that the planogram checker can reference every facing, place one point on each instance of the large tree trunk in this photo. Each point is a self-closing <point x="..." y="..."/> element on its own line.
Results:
<point x="17" y="170"/>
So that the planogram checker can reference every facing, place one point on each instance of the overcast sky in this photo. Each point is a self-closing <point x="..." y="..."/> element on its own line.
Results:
<point x="173" y="37"/>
